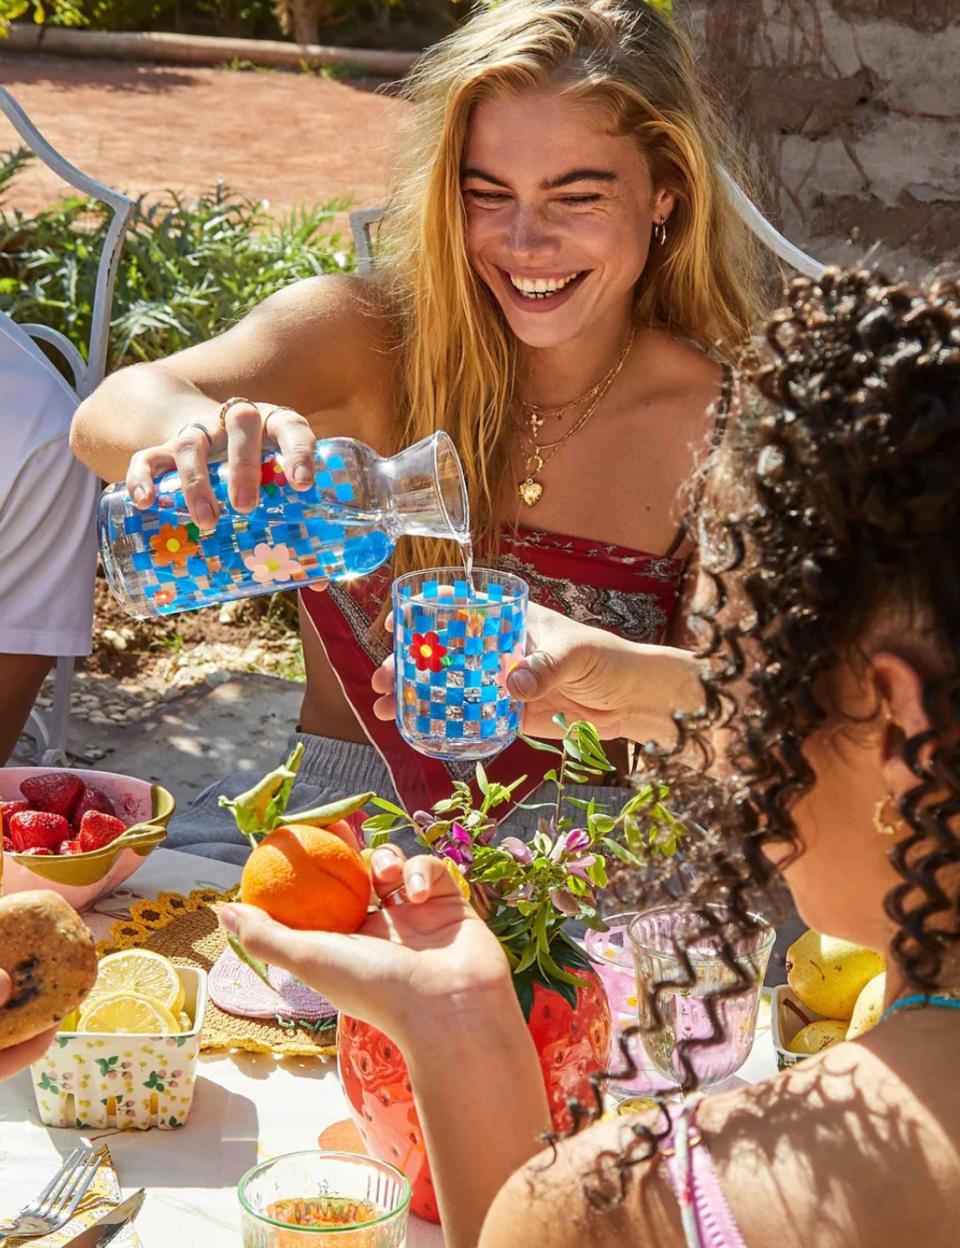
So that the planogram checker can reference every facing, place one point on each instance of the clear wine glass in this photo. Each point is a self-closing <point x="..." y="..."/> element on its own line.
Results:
<point x="656" y="936"/>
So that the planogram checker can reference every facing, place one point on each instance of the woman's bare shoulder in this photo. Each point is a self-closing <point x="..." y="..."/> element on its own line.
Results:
<point x="320" y="344"/>
<point x="342" y="302"/>
<point x="585" y="1194"/>
<point x="679" y="370"/>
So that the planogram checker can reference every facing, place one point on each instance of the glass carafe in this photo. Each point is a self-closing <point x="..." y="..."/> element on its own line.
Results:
<point x="157" y="561"/>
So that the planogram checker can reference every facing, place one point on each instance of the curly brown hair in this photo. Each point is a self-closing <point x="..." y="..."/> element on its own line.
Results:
<point x="830" y="513"/>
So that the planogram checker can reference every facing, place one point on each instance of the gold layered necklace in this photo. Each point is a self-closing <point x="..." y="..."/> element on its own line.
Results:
<point x="530" y="489"/>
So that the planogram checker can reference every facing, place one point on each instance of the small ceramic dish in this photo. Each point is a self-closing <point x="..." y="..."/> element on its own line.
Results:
<point x="787" y="1016"/>
<point x="122" y="1080"/>
<point x="81" y="878"/>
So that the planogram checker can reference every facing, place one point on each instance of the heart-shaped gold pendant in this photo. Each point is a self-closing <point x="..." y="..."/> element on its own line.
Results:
<point x="530" y="491"/>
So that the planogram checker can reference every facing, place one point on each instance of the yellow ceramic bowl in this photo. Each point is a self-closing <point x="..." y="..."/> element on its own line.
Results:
<point x="81" y="878"/>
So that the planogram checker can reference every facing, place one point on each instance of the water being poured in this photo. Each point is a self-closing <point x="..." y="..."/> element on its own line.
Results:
<point x="466" y="552"/>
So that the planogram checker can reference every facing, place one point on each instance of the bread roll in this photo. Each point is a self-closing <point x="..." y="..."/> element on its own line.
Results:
<point x="49" y="954"/>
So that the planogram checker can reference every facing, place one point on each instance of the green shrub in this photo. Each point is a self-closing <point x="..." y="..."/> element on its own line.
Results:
<point x="61" y="12"/>
<point x="188" y="268"/>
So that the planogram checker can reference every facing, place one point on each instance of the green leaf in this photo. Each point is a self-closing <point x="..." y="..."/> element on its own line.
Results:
<point x="483" y="784"/>
<point x="382" y="804"/>
<point x="332" y="812"/>
<point x="622" y="852"/>
<point x="544" y="746"/>
<point x="380" y="823"/>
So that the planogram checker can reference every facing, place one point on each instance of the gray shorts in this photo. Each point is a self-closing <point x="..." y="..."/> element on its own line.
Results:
<point x="329" y="770"/>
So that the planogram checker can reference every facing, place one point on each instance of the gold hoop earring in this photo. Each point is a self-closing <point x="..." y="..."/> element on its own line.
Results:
<point x="660" y="231"/>
<point x="882" y="821"/>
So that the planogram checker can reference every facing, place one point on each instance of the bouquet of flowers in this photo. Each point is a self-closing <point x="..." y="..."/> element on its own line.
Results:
<point x="528" y="892"/>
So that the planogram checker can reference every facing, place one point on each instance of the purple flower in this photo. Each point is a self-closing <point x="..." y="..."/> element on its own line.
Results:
<point x="580" y="866"/>
<point x="424" y="818"/>
<point x="517" y="850"/>
<point x="459" y="834"/>
<point x="576" y="840"/>
<point x="564" y="900"/>
<point x="461" y="856"/>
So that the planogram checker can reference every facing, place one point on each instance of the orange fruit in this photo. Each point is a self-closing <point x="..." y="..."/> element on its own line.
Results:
<point x="308" y="878"/>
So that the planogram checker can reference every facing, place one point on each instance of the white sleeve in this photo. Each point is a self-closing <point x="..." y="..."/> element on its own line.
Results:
<point x="48" y="554"/>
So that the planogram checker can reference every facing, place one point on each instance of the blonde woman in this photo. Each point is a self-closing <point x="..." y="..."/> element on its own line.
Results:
<point x="560" y="273"/>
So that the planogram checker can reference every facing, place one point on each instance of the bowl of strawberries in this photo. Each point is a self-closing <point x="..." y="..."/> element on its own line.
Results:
<point x="80" y="833"/>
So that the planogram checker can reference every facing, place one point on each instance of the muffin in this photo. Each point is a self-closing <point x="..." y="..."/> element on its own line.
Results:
<point x="50" y="956"/>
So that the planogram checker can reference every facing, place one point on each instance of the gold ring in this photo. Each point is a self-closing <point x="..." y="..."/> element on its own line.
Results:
<point x="281" y="407"/>
<point x="225" y="407"/>
<point x="195" y="424"/>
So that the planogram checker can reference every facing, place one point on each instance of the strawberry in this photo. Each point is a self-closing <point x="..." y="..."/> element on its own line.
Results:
<point x="8" y="845"/>
<point x="7" y="809"/>
<point x="39" y="850"/>
<point x="90" y="799"/>
<point x="38" y="829"/>
<point x="55" y="791"/>
<point x="98" y="829"/>
<point x="70" y="847"/>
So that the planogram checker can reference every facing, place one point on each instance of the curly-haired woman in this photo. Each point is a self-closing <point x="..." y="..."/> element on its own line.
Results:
<point x="827" y="711"/>
<point x="560" y="272"/>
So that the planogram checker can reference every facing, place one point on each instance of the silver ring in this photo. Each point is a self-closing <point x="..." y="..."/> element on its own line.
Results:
<point x="396" y="897"/>
<point x="195" y="424"/>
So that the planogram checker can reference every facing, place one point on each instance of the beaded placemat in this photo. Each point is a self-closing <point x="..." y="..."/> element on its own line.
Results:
<point x="185" y="930"/>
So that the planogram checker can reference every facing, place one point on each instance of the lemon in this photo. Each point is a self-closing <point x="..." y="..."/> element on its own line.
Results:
<point x="128" y="1012"/>
<point x="70" y="1022"/>
<point x="143" y="972"/>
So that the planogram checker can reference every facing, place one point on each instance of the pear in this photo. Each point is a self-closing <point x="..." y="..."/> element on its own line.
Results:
<point x="869" y="1006"/>
<point x="827" y="975"/>
<point x="818" y="1036"/>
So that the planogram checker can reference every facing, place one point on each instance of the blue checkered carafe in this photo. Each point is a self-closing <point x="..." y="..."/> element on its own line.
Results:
<point x="345" y="525"/>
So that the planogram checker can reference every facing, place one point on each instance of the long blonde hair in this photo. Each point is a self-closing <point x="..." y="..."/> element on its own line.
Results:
<point x="458" y="358"/>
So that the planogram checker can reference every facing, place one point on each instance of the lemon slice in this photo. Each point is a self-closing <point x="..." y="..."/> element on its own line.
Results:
<point x="128" y="1012"/>
<point x="140" y="971"/>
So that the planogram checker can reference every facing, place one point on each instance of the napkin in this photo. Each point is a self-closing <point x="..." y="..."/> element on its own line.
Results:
<point x="103" y="1193"/>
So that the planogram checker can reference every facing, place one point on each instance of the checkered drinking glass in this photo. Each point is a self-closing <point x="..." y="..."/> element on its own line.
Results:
<point x="453" y="648"/>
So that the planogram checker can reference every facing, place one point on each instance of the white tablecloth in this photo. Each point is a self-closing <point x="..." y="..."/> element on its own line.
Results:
<point x="246" y="1107"/>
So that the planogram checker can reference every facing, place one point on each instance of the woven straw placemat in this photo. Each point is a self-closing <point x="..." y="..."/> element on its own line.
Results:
<point x="185" y="930"/>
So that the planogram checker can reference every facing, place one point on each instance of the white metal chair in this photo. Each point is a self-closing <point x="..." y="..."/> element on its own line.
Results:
<point x="363" y="220"/>
<point x="50" y="730"/>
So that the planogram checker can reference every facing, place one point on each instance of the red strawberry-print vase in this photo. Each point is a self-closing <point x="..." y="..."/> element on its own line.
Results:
<point x="571" y="1042"/>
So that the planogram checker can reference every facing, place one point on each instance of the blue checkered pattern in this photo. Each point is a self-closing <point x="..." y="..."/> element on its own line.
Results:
<point x="320" y="539"/>
<point x="462" y="710"/>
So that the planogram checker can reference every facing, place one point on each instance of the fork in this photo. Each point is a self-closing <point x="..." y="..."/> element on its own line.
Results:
<point x="56" y="1204"/>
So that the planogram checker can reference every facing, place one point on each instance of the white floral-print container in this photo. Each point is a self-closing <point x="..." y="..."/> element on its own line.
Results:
<point x="123" y="1080"/>
<point x="786" y="1018"/>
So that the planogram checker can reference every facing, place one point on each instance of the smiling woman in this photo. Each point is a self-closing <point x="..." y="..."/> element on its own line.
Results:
<point x="560" y="279"/>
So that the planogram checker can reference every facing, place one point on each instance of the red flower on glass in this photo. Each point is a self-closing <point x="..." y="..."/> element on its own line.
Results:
<point x="427" y="652"/>
<point x="271" y="475"/>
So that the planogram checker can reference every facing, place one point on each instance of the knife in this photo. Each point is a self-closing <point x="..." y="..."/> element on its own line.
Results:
<point x="99" y="1233"/>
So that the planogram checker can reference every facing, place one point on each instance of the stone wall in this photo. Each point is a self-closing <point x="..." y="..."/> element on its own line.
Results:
<point x="851" y="113"/>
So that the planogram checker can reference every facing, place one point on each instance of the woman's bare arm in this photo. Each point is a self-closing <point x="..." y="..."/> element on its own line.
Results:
<point x="316" y="348"/>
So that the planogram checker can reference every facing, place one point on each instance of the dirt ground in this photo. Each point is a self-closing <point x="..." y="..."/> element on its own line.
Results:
<point x="290" y="138"/>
